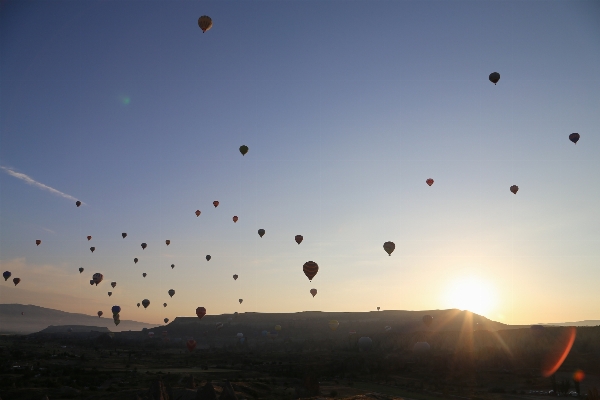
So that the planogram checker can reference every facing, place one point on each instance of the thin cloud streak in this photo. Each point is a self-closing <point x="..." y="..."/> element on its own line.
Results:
<point x="35" y="183"/>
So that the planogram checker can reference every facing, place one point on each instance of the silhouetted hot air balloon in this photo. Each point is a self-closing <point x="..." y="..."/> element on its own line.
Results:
<point x="172" y="266"/>
<point x="171" y="292"/>
<point x="365" y="343"/>
<point x="310" y="269"/>
<point x="429" y="181"/>
<point x="166" y="320"/>
<point x="494" y="77"/>
<point x="200" y="312"/>
<point x="197" y="213"/>
<point x="298" y="239"/>
<point x="389" y="247"/>
<point x="333" y="324"/>
<point x="138" y="304"/>
<point x="97" y="278"/>
<point x="92" y="249"/>
<point x="145" y="303"/>
<point x="313" y="292"/>
<point x="77" y="203"/>
<point x="164" y="304"/>
<point x="115" y="310"/>
<point x="168" y="242"/>
<point x="235" y="277"/>
<point x="144" y="274"/>
<point x="208" y="257"/>
<point x="235" y="218"/>
<point x="191" y="345"/>
<point x="135" y="260"/>
<point x="16" y="281"/>
<point x="215" y="203"/>
<point x="80" y="269"/>
<point x="109" y="294"/>
<point x="113" y="284"/>
<point x="514" y="189"/>
<point x="377" y="308"/>
<point x="244" y="149"/>
<point x="261" y="232"/>
<point x="241" y="300"/>
<point x="427" y="320"/>
<point x="100" y="314"/>
<point x="89" y="238"/>
<point x="124" y="235"/>
<point x="144" y="245"/>
<point x="38" y="242"/>
<point x="205" y="23"/>
<point x="117" y="321"/>
<point x="574" y="137"/>
<point x="91" y="282"/>
<point x="7" y="274"/>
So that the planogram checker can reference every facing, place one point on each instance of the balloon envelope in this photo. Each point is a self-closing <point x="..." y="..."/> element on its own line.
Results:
<point x="205" y="23"/>
<point x="241" y="300"/>
<point x="135" y="260"/>
<point x="138" y="304"/>
<point x="208" y="257"/>
<point x="166" y="320"/>
<point x="164" y="304"/>
<point x="261" y="232"/>
<point x="514" y="189"/>
<point x="494" y="77"/>
<point x="97" y="278"/>
<point x="310" y="269"/>
<point x="145" y="303"/>
<point x="115" y="309"/>
<point x="113" y="284"/>
<point x="77" y="203"/>
<point x="429" y="181"/>
<point x="298" y="239"/>
<point x="80" y="269"/>
<point x="89" y="238"/>
<point x="124" y="235"/>
<point x="6" y="275"/>
<point x="171" y="292"/>
<point x="244" y="149"/>
<point x="235" y="218"/>
<point x="574" y="137"/>
<point x="235" y="277"/>
<point x="38" y="242"/>
<point x="92" y="249"/>
<point x="313" y="292"/>
<point x="389" y="247"/>
<point x="109" y="294"/>
<point x="168" y="242"/>
<point x="100" y="314"/>
<point x="172" y="266"/>
<point x="215" y="203"/>
<point x="197" y="213"/>
<point x="144" y="245"/>
<point x="16" y="281"/>
<point x="144" y="274"/>
<point x="200" y="312"/>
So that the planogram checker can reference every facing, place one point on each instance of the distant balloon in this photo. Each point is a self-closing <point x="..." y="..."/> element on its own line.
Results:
<point x="243" y="149"/>
<point x="205" y="23"/>
<point x="494" y="77"/>
<point x="115" y="310"/>
<point x="144" y="245"/>
<point x="191" y="345"/>
<point x="145" y="303"/>
<point x="89" y="238"/>
<point x="92" y="249"/>
<point x="377" y="308"/>
<point x="135" y="260"/>
<point x="16" y="281"/>
<point x="261" y="232"/>
<point x="215" y="203"/>
<point x="313" y="292"/>
<point x="421" y="347"/>
<point x="333" y="324"/>
<point x="171" y="292"/>
<point x="574" y="137"/>
<point x="6" y="275"/>
<point x="113" y="284"/>
<point x="310" y="269"/>
<point x="168" y="242"/>
<point x="109" y="294"/>
<point x="200" y="312"/>
<point x="208" y="257"/>
<point x="100" y="314"/>
<point x="97" y="278"/>
<point x="144" y="274"/>
<point x="298" y="239"/>
<point x="365" y="343"/>
<point x="197" y="213"/>
<point x="429" y="181"/>
<point x="166" y="320"/>
<point x="235" y="277"/>
<point x="427" y="320"/>
<point x="172" y="266"/>
<point x="77" y="203"/>
<point x="389" y="247"/>
<point x="38" y="242"/>
<point x="91" y="282"/>
<point x="164" y="304"/>
<point x="241" y="300"/>
<point x="235" y="218"/>
<point x="138" y="304"/>
<point x="514" y="189"/>
<point x="124" y="235"/>
<point x="80" y="269"/>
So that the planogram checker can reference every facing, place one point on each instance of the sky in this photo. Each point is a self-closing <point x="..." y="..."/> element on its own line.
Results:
<point x="347" y="107"/>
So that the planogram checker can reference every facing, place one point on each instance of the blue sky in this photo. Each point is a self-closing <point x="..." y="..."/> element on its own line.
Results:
<point x="347" y="108"/>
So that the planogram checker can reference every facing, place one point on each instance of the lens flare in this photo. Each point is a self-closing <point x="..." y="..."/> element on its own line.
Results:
<point x="559" y="352"/>
<point x="578" y="375"/>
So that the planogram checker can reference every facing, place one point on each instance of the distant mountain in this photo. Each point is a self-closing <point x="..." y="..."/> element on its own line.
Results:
<point x="587" y="322"/>
<point x="35" y="319"/>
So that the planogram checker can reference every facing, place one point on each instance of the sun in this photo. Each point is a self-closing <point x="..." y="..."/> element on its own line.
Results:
<point x="470" y="293"/>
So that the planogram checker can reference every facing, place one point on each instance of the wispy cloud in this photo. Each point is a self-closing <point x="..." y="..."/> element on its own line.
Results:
<point x="35" y="183"/>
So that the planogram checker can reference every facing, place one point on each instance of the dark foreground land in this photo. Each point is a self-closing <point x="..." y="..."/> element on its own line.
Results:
<point x="476" y="365"/>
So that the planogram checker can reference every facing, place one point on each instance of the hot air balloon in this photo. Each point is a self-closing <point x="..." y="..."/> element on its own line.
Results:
<point x="200" y="312"/>
<point x="144" y="245"/>
<point x="197" y="213"/>
<point x="89" y="238"/>
<point x="7" y="274"/>
<point x="166" y="320"/>
<point x="168" y="242"/>
<point x="124" y="235"/>
<point x="313" y="292"/>
<point x="97" y="278"/>
<point x="92" y="249"/>
<point x="241" y="300"/>
<point x="365" y="343"/>
<point x="144" y="274"/>
<point x="429" y="181"/>
<point x="235" y="277"/>
<point x="298" y="239"/>
<point x="171" y="292"/>
<point x="377" y="308"/>
<point x="333" y="324"/>
<point x="91" y="282"/>
<point x="261" y="232"/>
<point x="115" y="310"/>
<point x="244" y="149"/>
<point x="310" y="269"/>
<point x="494" y="77"/>
<point x="172" y="266"/>
<point x="514" y="189"/>
<point x="421" y="347"/>
<point x="191" y="345"/>
<point x="109" y="294"/>
<point x="38" y="242"/>
<point x="215" y="203"/>
<point x="235" y="218"/>
<point x="205" y="23"/>
<point x="77" y="203"/>
<point x="113" y="284"/>
<point x="80" y="269"/>
<point x="135" y="260"/>
<point x="145" y="303"/>
<point x="16" y="281"/>
<point x="574" y="137"/>
<point x="138" y="304"/>
<point x="427" y="320"/>
<point x="164" y="304"/>
<point x="389" y="247"/>
<point x="208" y="257"/>
<point x="100" y="314"/>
